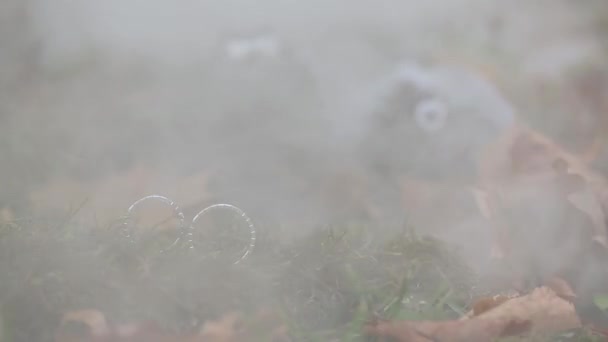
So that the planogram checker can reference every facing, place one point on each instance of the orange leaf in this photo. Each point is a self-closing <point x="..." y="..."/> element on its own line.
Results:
<point x="561" y="288"/>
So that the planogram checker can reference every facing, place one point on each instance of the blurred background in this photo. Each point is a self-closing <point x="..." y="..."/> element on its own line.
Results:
<point x="260" y="104"/>
<point x="264" y="104"/>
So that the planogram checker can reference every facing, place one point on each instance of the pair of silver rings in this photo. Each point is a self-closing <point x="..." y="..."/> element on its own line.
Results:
<point x="186" y="231"/>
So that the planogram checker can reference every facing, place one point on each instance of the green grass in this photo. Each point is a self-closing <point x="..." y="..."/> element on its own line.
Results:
<point x="326" y="286"/>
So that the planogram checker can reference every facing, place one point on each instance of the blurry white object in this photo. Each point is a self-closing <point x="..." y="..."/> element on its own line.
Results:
<point x="432" y="121"/>
<point x="431" y="115"/>
<point x="242" y="48"/>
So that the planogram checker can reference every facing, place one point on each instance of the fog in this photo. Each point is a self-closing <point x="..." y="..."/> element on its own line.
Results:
<point x="285" y="109"/>
<point x="94" y="89"/>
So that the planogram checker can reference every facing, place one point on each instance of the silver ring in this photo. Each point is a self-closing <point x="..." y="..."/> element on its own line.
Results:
<point x="252" y="229"/>
<point x="177" y="211"/>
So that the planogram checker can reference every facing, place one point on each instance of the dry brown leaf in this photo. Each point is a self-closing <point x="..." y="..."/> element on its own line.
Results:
<point x="488" y="303"/>
<point x="93" y="319"/>
<point x="547" y="311"/>
<point x="473" y="330"/>
<point x="223" y="330"/>
<point x="525" y="154"/>
<point x="6" y="215"/>
<point x="525" y="166"/>
<point x="561" y="288"/>
<point x="96" y="329"/>
<point x="265" y="326"/>
<point x="541" y="311"/>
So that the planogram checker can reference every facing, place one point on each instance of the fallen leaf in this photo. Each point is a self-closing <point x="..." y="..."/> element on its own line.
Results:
<point x="488" y="303"/>
<point x="264" y="326"/>
<point x="93" y="319"/>
<point x="232" y="327"/>
<point x="528" y="180"/>
<point x="561" y="288"/>
<point x="541" y="311"/>
<point x="449" y="331"/>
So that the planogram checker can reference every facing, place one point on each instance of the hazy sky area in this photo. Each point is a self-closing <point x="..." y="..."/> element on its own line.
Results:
<point x="266" y="104"/>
